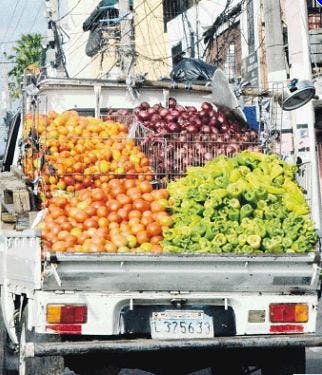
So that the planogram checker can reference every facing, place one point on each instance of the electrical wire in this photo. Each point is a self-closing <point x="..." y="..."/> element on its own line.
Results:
<point x="70" y="11"/>
<point x="35" y="19"/>
<point x="19" y="19"/>
<point x="10" y="20"/>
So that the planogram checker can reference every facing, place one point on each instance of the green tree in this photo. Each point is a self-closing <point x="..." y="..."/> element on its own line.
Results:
<point x="27" y="51"/>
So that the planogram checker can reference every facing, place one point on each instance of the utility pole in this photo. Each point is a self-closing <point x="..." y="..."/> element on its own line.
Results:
<point x="303" y="118"/>
<point x="275" y="53"/>
<point x="55" y="55"/>
<point x="126" y="43"/>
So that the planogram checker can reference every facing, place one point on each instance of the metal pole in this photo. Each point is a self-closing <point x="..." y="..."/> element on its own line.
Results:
<point x="274" y="41"/>
<point x="126" y="43"/>
<point x="304" y="118"/>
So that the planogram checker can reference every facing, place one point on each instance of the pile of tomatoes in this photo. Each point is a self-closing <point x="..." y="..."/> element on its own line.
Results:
<point x="75" y="152"/>
<point x="125" y="216"/>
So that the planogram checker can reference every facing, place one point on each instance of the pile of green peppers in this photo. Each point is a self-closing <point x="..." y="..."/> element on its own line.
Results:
<point x="250" y="203"/>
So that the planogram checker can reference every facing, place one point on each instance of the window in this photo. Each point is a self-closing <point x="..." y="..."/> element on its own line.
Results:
<point x="172" y="8"/>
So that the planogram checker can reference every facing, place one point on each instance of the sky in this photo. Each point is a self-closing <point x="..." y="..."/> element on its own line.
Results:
<point x="16" y="18"/>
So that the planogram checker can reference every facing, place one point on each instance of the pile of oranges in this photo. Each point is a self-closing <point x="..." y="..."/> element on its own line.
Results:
<point x="126" y="216"/>
<point x="77" y="152"/>
<point x="95" y="185"/>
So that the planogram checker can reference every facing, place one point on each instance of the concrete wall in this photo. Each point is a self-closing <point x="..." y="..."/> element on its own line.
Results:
<point x="151" y="40"/>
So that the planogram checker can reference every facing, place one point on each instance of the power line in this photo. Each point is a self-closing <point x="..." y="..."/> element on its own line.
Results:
<point x="19" y="19"/>
<point x="9" y="23"/>
<point x="70" y="11"/>
<point x="35" y="19"/>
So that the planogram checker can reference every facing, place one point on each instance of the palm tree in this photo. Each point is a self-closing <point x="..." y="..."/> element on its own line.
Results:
<point x="28" y="51"/>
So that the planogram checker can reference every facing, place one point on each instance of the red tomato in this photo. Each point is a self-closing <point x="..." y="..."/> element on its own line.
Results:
<point x="59" y="246"/>
<point x="114" y="217"/>
<point x="141" y="205"/>
<point x="155" y="240"/>
<point x="154" y="229"/>
<point x="136" y="228"/>
<point x="98" y="194"/>
<point x="123" y="199"/>
<point x="90" y="223"/>
<point x="156" y="249"/>
<point x="102" y="211"/>
<point x="113" y="205"/>
<point x="103" y="222"/>
<point x="134" y="213"/>
<point x="145" y="187"/>
<point x="157" y="207"/>
<point x="142" y="237"/>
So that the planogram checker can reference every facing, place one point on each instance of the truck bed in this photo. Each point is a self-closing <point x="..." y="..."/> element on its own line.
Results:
<point x="203" y="273"/>
<point x="24" y="270"/>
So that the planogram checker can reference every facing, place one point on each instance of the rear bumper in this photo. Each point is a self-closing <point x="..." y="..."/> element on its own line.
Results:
<point x="137" y="345"/>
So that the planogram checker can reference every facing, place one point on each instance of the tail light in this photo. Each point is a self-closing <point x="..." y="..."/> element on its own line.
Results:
<point x="289" y="312"/>
<point x="66" y="314"/>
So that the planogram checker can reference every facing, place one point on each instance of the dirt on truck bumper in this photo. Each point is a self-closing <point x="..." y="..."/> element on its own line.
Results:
<point x="138" y="345"/>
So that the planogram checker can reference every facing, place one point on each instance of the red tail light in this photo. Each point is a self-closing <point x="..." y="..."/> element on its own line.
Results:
<point x="66" y="314"/>
<point x="288" y="312"/>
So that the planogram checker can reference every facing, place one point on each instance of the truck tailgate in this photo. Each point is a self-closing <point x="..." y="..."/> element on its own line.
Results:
<point x="289" y="273"/>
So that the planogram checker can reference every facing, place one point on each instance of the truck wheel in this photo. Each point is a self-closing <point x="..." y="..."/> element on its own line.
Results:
<point x="37" y="365"/>
<point x="3" y="345"/>
<point x="90" y="367"/>
<point x="285" y="362"/>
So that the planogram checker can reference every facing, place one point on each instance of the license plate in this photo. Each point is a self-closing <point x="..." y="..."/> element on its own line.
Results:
<point x="173" y="324"/>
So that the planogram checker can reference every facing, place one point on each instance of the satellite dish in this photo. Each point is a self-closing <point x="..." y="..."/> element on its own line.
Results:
<point x="296" y="94"/>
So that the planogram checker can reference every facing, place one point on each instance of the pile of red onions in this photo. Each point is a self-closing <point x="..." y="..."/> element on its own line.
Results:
<point x="182" y="136"/>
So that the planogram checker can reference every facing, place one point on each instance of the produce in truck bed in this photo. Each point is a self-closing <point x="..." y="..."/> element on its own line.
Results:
<point x="126" y="216"/>
<point x="246" y="204"/>
<point x="184" y="136"/>
<point x="75" y="152"/>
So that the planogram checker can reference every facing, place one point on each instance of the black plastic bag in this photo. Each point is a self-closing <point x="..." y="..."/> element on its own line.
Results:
<point x="192" y="70"/>
<point x="94" y="43"/>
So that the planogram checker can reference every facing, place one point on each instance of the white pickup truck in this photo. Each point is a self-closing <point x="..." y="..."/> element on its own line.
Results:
<point x="232" y="311"/>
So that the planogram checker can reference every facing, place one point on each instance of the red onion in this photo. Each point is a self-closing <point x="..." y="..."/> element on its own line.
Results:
<point x="172" y="103"/>
<point x="192" y="109"/>
<point x="144" y="105"/>
<point x="155" y="118"/>
<point x="175" y="113"/>
<point x="205" y="129"/>
<point x="169" y="118"/>
<point x="206" y="107"/>
<point x="172" y="127"/>
<point x="214" y="130"/>
<point x="123" y="112"/>
<point x="192" y="129"/>
<point x="164" y="112"/>
<point x="212" y="122"/>
<point x="144" y="115"/>
<point x="185" y="115"/>
<point x="180" y="108"/>
<point x="157" y="107"/>
<point x="213" y="137"/>
<point x="230" y="149"/>
<point x="205" y="120"/>
<point x="208" y="156"/>
<point x="224" y="128"/>
<point x="220" y="117"/>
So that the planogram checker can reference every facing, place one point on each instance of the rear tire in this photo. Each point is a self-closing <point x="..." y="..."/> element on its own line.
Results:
<point x="285" y="362"/>
<point x="3" y="345"/>
<point x="37" y="365"/>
